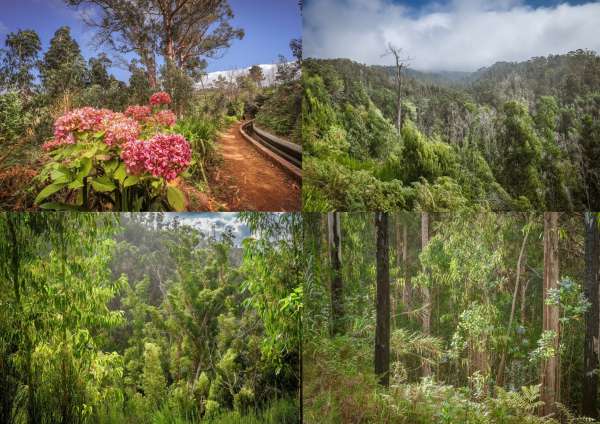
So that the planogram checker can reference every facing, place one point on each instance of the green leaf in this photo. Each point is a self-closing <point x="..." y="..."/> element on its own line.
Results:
<point x="58" y="175"/>
<point x="48" y="191"/>
<point x="176" y="198"/>
<point x="110" y="166"/>
<point x="131" y="180"/>
<point x="103" y="184"/>
<point x="78" y="183"/>
<point x="57" y="206"/>
<point x="86" y="167"/>
<point x="65" y="179"/>
<point x="91" y="152"/>
<point x="121" y="173"/>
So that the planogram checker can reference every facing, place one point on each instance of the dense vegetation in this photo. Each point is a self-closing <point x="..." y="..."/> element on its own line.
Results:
<point x="280" y="108"/>
<point x="451" y="318"/>
<point x="40" y="91"/>
<point x="141" y="318"/>
<point x="513" y="136"/>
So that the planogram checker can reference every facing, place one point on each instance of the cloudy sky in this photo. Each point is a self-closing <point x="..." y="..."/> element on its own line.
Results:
<point x="455" y="35"/>
<point x="269" y="27"/>
<point x="207" y="222"/>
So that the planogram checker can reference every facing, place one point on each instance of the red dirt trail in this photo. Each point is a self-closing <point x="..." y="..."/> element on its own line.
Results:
<point x="248" y="181"/>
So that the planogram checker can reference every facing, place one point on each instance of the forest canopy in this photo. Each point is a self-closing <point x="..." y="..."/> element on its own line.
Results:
<point x="513" y="136"/>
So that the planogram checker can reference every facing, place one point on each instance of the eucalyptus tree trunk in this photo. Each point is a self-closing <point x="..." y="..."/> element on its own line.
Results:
<point x="382" y="329"/>
<point x="407" y="290"/>
<point x="425" y="290"/>
<point x="501" y="366"/>
<point x="590" y="355"/>
<point x="550" y="378"/>
<point x="399" y="290"/>
<point x="335" y="255"/>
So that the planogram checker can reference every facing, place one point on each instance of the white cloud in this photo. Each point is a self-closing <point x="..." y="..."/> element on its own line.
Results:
<point x="211" y="223"/>
<point x="3" y="28"/>
<point x="459" y="35"/>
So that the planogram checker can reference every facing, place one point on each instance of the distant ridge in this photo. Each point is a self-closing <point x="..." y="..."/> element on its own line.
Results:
<point x="269" y="71"/>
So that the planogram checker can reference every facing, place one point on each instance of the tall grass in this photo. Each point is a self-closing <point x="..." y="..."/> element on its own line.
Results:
<point x="201" y="134"/>
<point x="282" y="411"/>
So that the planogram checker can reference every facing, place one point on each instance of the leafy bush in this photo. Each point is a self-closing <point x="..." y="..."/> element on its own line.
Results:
<point x="280" y="112"/>
<point x="336" y="367"/>
<point x="201" y="134"/>
<point x="13" y="119"/>
<point x="124" y="160"/>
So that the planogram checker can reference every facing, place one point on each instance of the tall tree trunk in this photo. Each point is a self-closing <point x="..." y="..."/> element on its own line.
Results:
<point x="402" y="294"/>
<point x="398" y="96"/>
<point x="407" y="291"/>
<point x="590" y="355"/>
<point x="382" y="329"/>
<point x="149" y="62"/>
<point x="500" y="374"/>
<point x="550" y="389"/>
<point x="524" y="297"/>
<point x="335" y="255"/>
<point x="425" y="290"/>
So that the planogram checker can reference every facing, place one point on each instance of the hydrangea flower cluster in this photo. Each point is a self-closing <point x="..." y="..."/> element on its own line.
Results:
<point x="139" y="113"/>
<point x="78" y="120"/>
<point x="165" y="118"/>
<point x="160" y="98"/>
<point x="117" y="127"/>
<point x="120" y="129"/>
<point x="58" y="142"/>
<point x="164" y="155"/>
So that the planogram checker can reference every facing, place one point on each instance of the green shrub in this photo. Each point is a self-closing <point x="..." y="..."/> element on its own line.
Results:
<point x="211" y="408"/>
<point x="13" y="119"/>
<point x="243" y="400"/>
<point x="201" y="134"/>
<point x="153" y="377"/>
<point x="202" y="386"/>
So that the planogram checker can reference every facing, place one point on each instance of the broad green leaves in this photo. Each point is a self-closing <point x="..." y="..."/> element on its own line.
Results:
<point x="49" y="190"/>
<point x="176" y="198"/>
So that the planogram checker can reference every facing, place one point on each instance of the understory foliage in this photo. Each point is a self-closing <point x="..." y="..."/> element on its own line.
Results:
<point x="513" y="136"/>
<point x="141" y="318"/>
<point x="479" y="359"/>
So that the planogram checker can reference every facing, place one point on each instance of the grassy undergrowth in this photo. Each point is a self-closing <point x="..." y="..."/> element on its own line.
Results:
<point x="340" y="387"/>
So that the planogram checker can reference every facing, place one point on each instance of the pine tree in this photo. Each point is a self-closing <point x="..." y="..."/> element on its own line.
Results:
<point x="62" y="68"/>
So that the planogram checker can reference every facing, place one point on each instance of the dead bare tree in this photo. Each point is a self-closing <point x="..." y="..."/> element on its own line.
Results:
<point x="401" y="64"/>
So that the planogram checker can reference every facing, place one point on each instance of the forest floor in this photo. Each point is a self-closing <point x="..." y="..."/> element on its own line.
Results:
<point x="247" y="180"/>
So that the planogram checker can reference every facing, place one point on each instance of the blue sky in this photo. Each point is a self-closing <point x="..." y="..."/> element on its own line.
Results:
<point x="453" y="35"/>
<point x="269" y="26"/>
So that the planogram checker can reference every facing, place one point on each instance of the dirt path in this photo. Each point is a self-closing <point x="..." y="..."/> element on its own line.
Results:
<point x="248" y="181"/>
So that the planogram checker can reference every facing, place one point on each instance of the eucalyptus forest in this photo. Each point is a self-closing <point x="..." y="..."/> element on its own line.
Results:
<point x="468" y="317"/>
<point x="149" y="318"/>
<point x="511" y="136"/>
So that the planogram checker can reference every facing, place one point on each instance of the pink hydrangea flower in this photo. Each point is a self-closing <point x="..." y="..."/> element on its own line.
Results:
<point x="165" y="118"/>
<point x="79" y="120"/>
<point x="139" y="113"/>
<point x="120" y="129"/>
<point x="58" y="142"/>
<point x="160" y="98"/>
<point x="135" y="154"/>
<point x="164" y="155"/>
